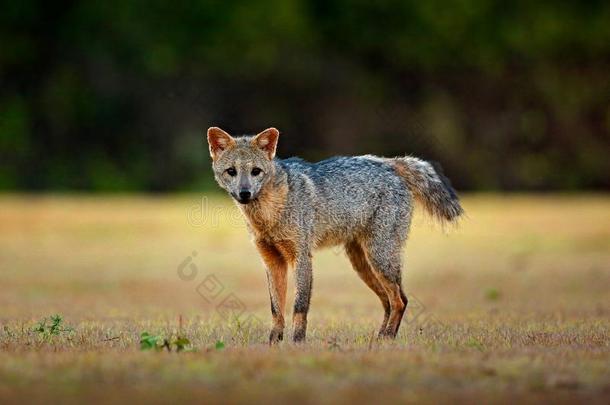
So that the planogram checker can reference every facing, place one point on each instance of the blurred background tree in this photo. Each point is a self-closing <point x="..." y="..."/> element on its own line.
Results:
<point x="116" y="95"/>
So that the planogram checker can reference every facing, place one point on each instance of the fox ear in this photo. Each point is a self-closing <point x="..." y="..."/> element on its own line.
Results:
<point x="267" y="141"/>
<point x="219" y="141"/>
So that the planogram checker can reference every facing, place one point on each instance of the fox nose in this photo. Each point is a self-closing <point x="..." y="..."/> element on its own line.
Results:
<point x="245" y="195"/>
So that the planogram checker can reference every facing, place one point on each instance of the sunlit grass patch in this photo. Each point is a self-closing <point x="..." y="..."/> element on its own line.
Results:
<point x="511" y="303"/>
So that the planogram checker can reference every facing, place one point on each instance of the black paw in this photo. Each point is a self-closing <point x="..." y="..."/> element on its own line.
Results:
<point x="387" y="334"/>
<point x="299" y="336"/>
<point x="276" y="336"/>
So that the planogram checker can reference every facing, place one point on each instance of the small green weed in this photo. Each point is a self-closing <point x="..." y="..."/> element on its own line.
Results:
<point x="158" y="343"/>
<point x="492" y="294"/>
<point x="475" y="344"/>
<point x="52" y="327"/>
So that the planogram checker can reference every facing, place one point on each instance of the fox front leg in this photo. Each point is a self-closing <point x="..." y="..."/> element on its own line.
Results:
<point x="303" y="282"/>
<point x="277" y="270"/>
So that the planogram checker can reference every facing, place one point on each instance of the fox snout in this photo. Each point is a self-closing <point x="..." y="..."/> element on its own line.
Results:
<point x="244" y="196"/>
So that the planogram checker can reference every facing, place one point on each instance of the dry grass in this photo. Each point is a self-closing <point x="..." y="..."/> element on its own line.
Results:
<point x="513" y="305"/>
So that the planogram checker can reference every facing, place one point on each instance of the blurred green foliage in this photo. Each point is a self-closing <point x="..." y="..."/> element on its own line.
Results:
<point x="117" y="95"/>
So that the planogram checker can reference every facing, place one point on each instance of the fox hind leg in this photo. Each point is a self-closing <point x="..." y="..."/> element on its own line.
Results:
<point x="388" y="275"/>
<point x="383" y="251"/>
<point x="398" y="303"/>
<point x="357" y="257"/>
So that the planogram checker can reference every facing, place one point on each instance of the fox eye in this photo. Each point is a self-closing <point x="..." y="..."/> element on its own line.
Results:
<point x="231" y="171"/>
<point x="256" y="171"/>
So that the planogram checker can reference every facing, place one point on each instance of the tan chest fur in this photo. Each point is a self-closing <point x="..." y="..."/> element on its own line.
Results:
<point x="264" y="218"/>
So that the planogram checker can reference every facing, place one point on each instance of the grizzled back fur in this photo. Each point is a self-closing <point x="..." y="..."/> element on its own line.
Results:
<point x="331" y="201"/>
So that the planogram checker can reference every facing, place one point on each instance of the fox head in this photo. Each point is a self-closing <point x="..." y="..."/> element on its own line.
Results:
<point x="243" y="165"/>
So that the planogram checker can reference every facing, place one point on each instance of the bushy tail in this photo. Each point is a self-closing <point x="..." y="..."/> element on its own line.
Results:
<point x="430" y="187"/>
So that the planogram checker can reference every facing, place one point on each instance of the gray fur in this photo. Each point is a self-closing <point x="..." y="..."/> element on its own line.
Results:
<point x="431" y="188"/>
<point x="364" y="203"/>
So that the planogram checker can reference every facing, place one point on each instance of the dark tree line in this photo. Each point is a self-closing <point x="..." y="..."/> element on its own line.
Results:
<point x="116" y="95"/>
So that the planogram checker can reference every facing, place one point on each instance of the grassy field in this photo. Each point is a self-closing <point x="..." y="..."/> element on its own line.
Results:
<point x="512" y="305"/>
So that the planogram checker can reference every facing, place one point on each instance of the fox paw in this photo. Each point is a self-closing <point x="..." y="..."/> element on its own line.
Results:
<point x="299" y="336"/>
<point x="387" y="334"/>
<point x="276" y="336"/>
